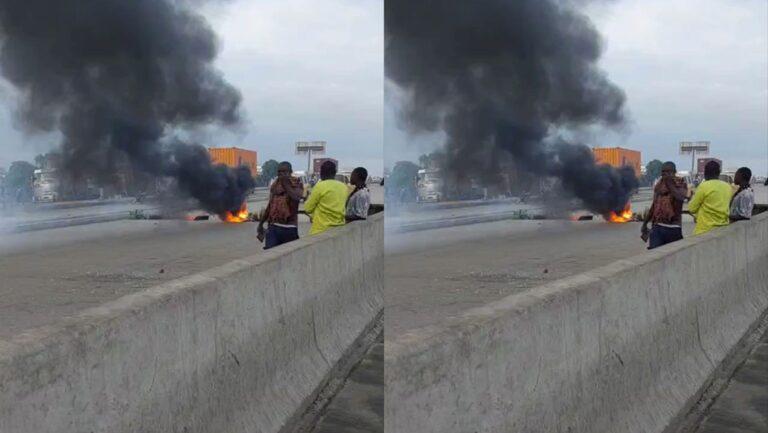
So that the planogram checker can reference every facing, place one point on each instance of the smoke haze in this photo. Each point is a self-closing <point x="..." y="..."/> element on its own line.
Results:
<point x="512" y="76"/>
<point x="122" y="78"/>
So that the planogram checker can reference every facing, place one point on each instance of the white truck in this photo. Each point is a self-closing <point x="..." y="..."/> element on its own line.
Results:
<point x="429" y="186"/>
<point x="45" y="186"/>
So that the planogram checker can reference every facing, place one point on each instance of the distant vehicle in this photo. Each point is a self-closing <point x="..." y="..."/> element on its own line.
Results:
<point x="344" y="177"/>
<point x="45" y="186"/>
<point x="727" y="176"/>
<point x="429" y="185"/>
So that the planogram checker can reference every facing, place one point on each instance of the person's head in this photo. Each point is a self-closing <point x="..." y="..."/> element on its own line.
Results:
<point x="359" y="176"/>
<point x="668" y="169"/>
<point x="284" y="169"/>
<point x="328" y="170"/>
<point x="743" y="176"/>
<point x="712" y="170"/>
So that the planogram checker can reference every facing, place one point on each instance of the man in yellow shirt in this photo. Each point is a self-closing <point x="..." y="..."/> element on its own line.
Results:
<point x="327" y="201"/>
<point x="710" y="205"/>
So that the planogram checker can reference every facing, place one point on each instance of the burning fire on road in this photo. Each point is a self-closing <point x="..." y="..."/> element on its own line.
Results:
<point x="240" y="216"/>
<point x="624" y="216"/>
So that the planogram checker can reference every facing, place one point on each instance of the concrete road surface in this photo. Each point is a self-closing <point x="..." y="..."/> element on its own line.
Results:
<point x="50" y="274"/>
<point x="44" y="216"/>
<point x="435" y="274"/>
<point x="438" y="273"/>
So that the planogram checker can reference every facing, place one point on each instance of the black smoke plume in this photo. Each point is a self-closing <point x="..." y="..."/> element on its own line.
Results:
<point x="121" y="78"/>
<point x="512" y="75"/>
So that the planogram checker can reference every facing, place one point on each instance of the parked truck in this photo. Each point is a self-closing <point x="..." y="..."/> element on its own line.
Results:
<point x="51" y="185"/>
<point x="432" y="185"/>
<point x="235" y="157"/>
<point x="429" y="185"/>
<point x="45" y="186"/>
<point x="618" y="157"/>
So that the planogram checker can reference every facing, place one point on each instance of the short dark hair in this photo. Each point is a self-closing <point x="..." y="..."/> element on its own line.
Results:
<point x="712" y="170"/>
<point x="361" y="172"/>
<point x="328" y="170"/>
<point x="669" y="164"/>
<point x="287" y="164"/>
<point x="746" y="173"/>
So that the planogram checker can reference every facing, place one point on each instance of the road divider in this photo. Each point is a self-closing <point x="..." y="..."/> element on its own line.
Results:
<point x="247" y="346"/>
<point x="629" y="347"/>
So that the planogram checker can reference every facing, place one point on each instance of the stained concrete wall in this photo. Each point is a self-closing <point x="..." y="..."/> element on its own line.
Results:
<point x="621" y="349"/>
<point x="238" y="348"/>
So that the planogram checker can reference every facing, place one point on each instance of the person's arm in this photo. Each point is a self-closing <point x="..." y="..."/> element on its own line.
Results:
<point x="296" y="193"/>
<point x="648" y="216"/>
<point x="314" y="198"/>
<point x="260" y="228"/>
<point x="680" y="193"/>
<point x="698" y="197"/>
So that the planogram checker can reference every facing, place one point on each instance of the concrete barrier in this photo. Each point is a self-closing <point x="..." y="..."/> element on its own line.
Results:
<point x="239" y="348"/>
<point x="620" y="349"/>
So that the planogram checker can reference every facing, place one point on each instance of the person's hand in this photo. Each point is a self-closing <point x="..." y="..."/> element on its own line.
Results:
<point x="260" y="233"/>
<point x="644" y="233"/>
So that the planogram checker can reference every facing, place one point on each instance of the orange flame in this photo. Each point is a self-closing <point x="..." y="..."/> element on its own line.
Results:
<point x="240" y="216"/>
<point x="624" y="217"/>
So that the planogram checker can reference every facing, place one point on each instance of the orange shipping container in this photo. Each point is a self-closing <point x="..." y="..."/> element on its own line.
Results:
<point x="618" y="157"/>
<point x="234" y="157"/>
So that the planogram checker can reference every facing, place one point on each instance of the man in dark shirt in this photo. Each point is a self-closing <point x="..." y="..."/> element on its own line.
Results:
<point x="666" y="212"/>
<point x="282" y="212"/>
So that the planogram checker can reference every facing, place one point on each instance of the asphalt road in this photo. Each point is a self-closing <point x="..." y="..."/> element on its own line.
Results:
<point x="54" y="273"/>
<point x="41" y="216"/>
<point x="435" y="274"/>
<point x="440" y="272"/>
<point x="50" y="274"/>
<point x="31" y="217"/>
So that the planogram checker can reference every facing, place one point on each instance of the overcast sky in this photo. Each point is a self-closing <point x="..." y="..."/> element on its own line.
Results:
<point x="308" y="70"/>
<point x="692" y="70"/>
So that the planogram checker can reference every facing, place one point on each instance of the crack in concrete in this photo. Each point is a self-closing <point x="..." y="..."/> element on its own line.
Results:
<point x="314" y="338"/>
<point x="698" y="337"/>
